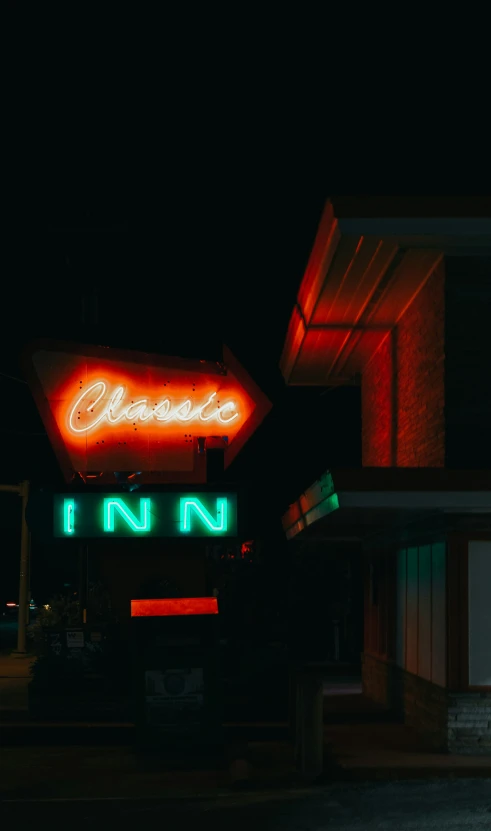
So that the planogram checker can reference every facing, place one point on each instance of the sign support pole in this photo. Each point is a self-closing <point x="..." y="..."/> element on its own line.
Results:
<point x="23" y="491"/>
<point x="24" y="569"/>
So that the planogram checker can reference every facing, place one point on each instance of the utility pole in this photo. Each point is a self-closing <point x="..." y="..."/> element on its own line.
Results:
<point x="23" y="491"/>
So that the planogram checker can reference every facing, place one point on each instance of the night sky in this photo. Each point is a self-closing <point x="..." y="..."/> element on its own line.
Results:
<point x="181" y="284"/>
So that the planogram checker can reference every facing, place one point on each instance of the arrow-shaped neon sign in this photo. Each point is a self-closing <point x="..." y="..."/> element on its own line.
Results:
<point x="109" y="410"/>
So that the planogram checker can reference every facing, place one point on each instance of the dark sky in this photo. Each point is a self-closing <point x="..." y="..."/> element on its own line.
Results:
<point x="180" y="281"/>
<point x="181" y="285"/>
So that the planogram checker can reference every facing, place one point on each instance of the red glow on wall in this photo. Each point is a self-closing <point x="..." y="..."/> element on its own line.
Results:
<point x="173" y="607"/>
<point x="379" y="398"/>
<point x="403" y="388"/>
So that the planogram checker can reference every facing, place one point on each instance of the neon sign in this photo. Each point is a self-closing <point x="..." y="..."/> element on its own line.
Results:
<point x="114" y="409"/>
<point x="108" y="411"/>
<point x="144" y="515"/>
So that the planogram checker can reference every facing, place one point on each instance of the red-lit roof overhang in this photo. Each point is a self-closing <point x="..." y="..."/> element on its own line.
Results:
<point x="169" y="607"/>
<point x="361" y="276"/>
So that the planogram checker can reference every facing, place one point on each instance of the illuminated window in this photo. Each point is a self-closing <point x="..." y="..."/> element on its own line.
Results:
<point x="114" y="504"/>
<point x="194" y="507"/>
<point x="68" y="516"/>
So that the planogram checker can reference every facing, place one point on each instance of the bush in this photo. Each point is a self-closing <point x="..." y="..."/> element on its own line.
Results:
<point x="60" y="611"/>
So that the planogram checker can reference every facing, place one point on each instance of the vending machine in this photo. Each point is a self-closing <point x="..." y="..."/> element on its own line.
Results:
<point x="176" y="673"/>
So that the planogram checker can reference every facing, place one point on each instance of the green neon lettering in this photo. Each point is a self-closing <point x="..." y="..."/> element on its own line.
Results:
<point x="190" y="506"/>
<point x="68" y="516"/>
<point x="114" y="503"/>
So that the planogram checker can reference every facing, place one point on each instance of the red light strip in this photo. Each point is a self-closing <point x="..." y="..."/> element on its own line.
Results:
<point x="169" y="607"/>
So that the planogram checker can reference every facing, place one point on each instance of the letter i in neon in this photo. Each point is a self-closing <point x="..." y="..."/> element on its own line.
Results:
<point x="69" y="516"/>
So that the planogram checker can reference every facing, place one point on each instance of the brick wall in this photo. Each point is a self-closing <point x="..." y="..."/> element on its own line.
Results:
<point x="469" y="723"/>
<point x="454" y="722"/>
<point x="377" y="680"/>
<point x="403" y="393"/>
<point x="377" y="422"/>
<point x="425" y="707"/>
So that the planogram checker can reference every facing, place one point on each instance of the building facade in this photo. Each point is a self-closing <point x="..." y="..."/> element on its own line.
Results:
<point x="400" y="304"/>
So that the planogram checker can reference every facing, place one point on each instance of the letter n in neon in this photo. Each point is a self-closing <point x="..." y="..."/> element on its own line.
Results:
<point x="194" y="507"/>
<point x="115" y="506"/>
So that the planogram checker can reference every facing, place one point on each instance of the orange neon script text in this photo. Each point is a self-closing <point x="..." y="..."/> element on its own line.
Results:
<point x="99" y="404"/>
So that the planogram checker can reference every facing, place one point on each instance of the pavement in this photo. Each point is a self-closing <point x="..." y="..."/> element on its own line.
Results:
<point x="456" y="805"/>
<point x="362" y="743"/>
<point x="365" y="752"/>
<point x="14" y="678"/>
